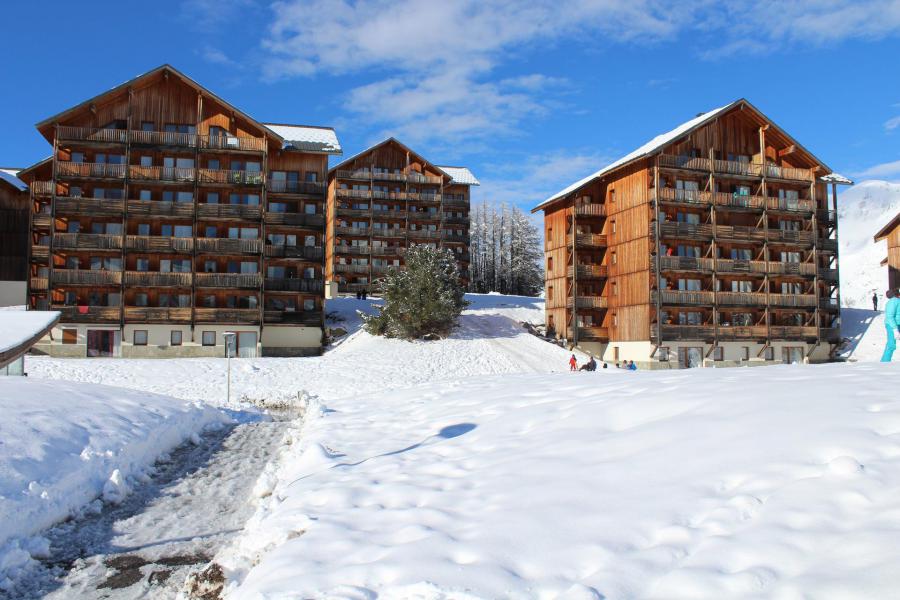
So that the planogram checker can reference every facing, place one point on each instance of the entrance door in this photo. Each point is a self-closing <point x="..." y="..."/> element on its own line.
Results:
<point x="690" y="358"/>
<point x="792" y="355"/>
<point x="102" y="343"/>
<point x="246" y="344"/>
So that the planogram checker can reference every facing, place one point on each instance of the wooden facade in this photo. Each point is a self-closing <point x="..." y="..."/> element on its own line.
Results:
<point x="385" y="200"/>
<point x="891" y="233"/>
<point x="721" y="234"/>
<point x="162" y="203"/>
<point x="14" y="224"/>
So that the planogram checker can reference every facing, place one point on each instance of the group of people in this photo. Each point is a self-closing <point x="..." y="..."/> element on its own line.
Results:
<point x="591" y="365"/>
<point x="361" y="295"/>
<point x="891" y="316"/>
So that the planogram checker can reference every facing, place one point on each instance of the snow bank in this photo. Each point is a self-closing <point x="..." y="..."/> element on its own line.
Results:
<point x="19" y="326"/>
<point x="862" y="210"/>
<point x="63" y="445"/>
<point x="677" y="484"/>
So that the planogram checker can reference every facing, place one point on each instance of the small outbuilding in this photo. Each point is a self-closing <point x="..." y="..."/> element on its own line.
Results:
<point x="19" y="331"/>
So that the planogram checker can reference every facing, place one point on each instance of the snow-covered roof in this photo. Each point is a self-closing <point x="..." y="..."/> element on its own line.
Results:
<point x="460" y="175"/>
<point x="836" y="178"/>
<point x="21" y="329"/>
<point x="9" y="176"/>
<point x="651" y="146"/>
<point x="304" y="137"/>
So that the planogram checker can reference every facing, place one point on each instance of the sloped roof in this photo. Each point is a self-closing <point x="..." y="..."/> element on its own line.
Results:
<point x="9" y="176"/>
<point x="460" y="175"/>
<point x="307" y="138"/>
<point x="663" y="140"/>
<point x="887" y="229"/>
<point x="382" y="143"/>
<point x="836" y="178"/>
<point x="31" y="168"/>
<point x="21" y="329"/>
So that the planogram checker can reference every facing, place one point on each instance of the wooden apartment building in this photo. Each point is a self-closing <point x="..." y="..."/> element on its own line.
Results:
<point x="14" y="223"/>
<point x="713" y="244"/>
<point x="166" y="216"/>
<point x="386" y="199"/>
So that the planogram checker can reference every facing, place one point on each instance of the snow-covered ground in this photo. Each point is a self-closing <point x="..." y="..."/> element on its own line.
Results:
<point x="63" y="445"/>
<point x="687" y="484"/>
<point x="863" y="210"/>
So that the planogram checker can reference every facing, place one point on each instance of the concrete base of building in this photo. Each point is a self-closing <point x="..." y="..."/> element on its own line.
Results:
<point x="12" y="293"/>
<point x="731" y="354"/>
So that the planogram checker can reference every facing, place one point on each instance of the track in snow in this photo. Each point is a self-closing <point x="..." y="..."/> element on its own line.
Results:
<point x="198" y="499"/>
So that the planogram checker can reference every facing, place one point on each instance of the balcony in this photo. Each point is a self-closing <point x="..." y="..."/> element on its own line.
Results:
<point x="789" y="173"/>
<point x="158" y="243"/>
<point x="91" y="134"/>
<point x="231" y="143"/>
<point x="40" y="253"/>
<point x="826" y="217"/>
<point x="358" y="194"/>
<point x="162" y="174"/>
<point x="314" y="221"/>
<point x="391" y="232"/>
<point x="591" y="210"/>
<point x="163" y="138"/>
<point x="426" y="234"/>
<point x="386" y="250"/>
<point x="791" y="205"/>
<point x="422" y="215"/>
<point x="283" y="284"/>
<point x="736" y="167"/>
<point x="792" y="332"/>
<point x="311" y="253"/>
<point x="589" y="334"/>
<point x="689" y="163"/>
<point x="793" y="300"/>
<point x="352" y="231"/>
<point x="684" y="196"/>
<point x="242" y="212"/>
<point x="790" y="268"/>
<point x="89" y="170"/>
<point x="226" y="177"/>
<point x="739" y="201"/>
<point x="41" y="221"/>
<point x="588" y="240"/>
<point x="389" y="214"/>
<point x="423" y="198"/>
<point x="455" y="238"/>
<point x="88" y="314"/>
<point x="87" y="241"/>
<point x="740" y="233"/>
<point x="85" y="277"/>
<point x="93" y="207"/>
<point x="38" y="284"/>
<point x="692" y="231"/>
<point x="308" y="188"/>
<point x="345" y="211"/>
<point x="227" y="315"/>
<point x="741" y="332"/>
<point x="154" y="208"/>
<point x="310" y="318"/>
<point x="228" y="280"/>
<point x="42" y="188"/>
<point x="700" y="298"/>
<point x="828" y="245"/>
<point x="589" y="271"/>
<point x="345" y="287"/>
<point x="830" y="334"/>
<point x="728" y="265"/>
<point x="153" y="279"/>
<point x="685" y="263"/>
<point x="453" y="220"/>
<point x="354" y="250"/>
<point x="229" y="246"/>
<point x="828" y="274"/>
<point x="588" y="302"/>
<point x="454" y="200"/>
<point x="147" y="314"/>
<point x="685" y="332"/>
<point x="741" y="298"/>
<point x="384" y="175"/>
<point x="351" y="268"/>
<point x="790" y="237"/>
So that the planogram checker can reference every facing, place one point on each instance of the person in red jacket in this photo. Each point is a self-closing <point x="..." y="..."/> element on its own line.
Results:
<point x="573" y="363"/>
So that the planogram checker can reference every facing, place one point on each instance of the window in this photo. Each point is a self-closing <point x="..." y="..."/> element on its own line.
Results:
<point x="312" y="176"/>
<point x="140" y="337"/>
<point x="145" y="195"/>
<point x="175" y="337"/>
<point x="146" y="161"/>
<point x="613" y="225"/>
<point x="147" y="126"/>
<point x="616" y="353"/>
<point x="664" y="354"/>
<point x="310" y="209"/>
<point x="142" y="264"/>
<point x="745" y="353"/>
<point x="549" y="293"/>
<point x="209" y="338"/>
<point x="550" y="263"/>
<point x="613" y="258"/>
<point x="69" y="336"/>
<point x="718" y="353"/>
<point x="770" y="353"/>
<point x="612" y="198"/>
<point x="309" y="304"/>
<point x="140" y="299"/>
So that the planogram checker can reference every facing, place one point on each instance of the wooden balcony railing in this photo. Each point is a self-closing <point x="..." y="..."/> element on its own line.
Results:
<point x="280" y="186"/>
<point x="311" y="253"/>
<point x="389" y="214"/>
<point x="91" y="170"/>
<point x="741" y="332"/>
<point x="739" y="201"/>
<point x="792" y="332"/>
<point x="348" y="193"/>
<point x="671" y="229"/>
<point x="740" y="233"/>
<point x="684" y="162"/>
<point x="828" y="274"/>
<point x="87" y="241"/>
<point x="40" y="253"/>
<point x="593" y="240"/>
<point x="227" y="315"/>
<point x="795" y="300"/>
<point x="42" y="188"/>
<point x="829" y="304"/>
<point x="590" y="302"/>
<point x="390" y="232"/>
<point x="41" y="221"/>
<point x="91" y="134"/>
<point x="685" y="196"/>
<point x="365" y="213"/>
<point x="741" y="298"/>
<point x="232" y="142"/>
<point x="685" y="297"/>
<point x="356" y="231"/>
<point x="226" y="177"/>
<point x="355" y="250"/>
<point x="345" y="287"/>
<point x="342" y="268"/>
<point x="163" y="138"/>
<point x="685" y="332"/>
<point x="591" y="210"/>
<point x="791" y="173"/>
<point x="245" y="212"/>
<point x="229" y="246"/>
<point x="830" y="334"/>
<point x="280" y="284"/>
<point x="729" y="265"/>
<point x="310" y="318"/>
<point x="385" y="250"/>
<point x="90" y="206"/>
<point x="424" y="234"/>
<point x="85" y="277"/>
<point x="295" y="219"/>
<point x="147" y="279"/>
<point x="735" y="167"/>
<point x="228" y="280"/>
<point x="590" y="271"/>
<point x="38" y="284"/>
<point x="791" y="268"/>
<point x="162" y="174"/>
<point x="828" y="244"/>
<point x="88" y="314"/>
<point x="153" y="314"/>
<point x="154" y="208"/>
<point x="451" y="200"/>
<point x="452" y="219"/>
<point x="423" y="215"/>
<point x="587" y="334"/>
<point x="685" y="263"/>
<point x="158" y="243"/>
<point x="790" y="237"/>
<point x="790" y="205"/>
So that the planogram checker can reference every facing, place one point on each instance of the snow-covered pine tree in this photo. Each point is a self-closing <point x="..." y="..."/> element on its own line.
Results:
<point x="425" y="299"/>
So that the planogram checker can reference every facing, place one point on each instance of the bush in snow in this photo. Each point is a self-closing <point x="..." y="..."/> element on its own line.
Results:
<point x="425" y="299"/>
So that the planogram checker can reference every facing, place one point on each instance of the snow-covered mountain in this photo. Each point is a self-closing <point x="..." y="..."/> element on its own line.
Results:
<point x="862" y="210"/>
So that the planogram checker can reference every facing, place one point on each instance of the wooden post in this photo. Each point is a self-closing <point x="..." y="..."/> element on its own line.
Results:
<point x="656" y="194"/>
<point x="574" y="271"/>
<point x="765" y="195"/>
<point x="194" y="221"/>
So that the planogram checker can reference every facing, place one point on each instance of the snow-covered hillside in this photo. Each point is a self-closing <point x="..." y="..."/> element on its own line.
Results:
<point x="862" y="210"/>
<point x="687" y="484"/>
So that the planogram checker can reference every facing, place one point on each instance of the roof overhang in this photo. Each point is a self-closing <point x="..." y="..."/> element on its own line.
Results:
<point x="22" y="346"/>
<point x="887" y="229"/>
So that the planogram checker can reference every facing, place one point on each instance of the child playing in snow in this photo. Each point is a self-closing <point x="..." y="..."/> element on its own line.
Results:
<point x="573" y="363"/>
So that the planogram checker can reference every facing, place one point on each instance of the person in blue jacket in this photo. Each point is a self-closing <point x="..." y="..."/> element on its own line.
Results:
<point x="891" y="314"/>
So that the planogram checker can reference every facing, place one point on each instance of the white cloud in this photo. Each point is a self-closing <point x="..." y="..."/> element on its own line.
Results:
<point x="892" y="124"/>
<point x="882" y="171"/>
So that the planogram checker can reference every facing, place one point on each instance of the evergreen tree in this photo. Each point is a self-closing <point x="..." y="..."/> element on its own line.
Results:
<point x="425" y="299"/>
<point x="506" y="252"/>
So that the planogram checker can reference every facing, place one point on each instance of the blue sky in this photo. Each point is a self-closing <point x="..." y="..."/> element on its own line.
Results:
<point x="529" y="95"/>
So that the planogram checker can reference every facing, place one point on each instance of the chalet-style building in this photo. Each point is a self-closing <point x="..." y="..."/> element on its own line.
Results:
<point x="712" y="244"/>
<point x="14" y="220"/>
<point x="386" y="199"/>
<point x="166" y="216"/>
<point x="891" y="233"/>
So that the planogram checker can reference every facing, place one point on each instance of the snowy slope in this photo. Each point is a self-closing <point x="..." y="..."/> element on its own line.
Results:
<point x="862" y="210"/>
<point x="64" y="444"/>
<point x="689" y="484"/>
